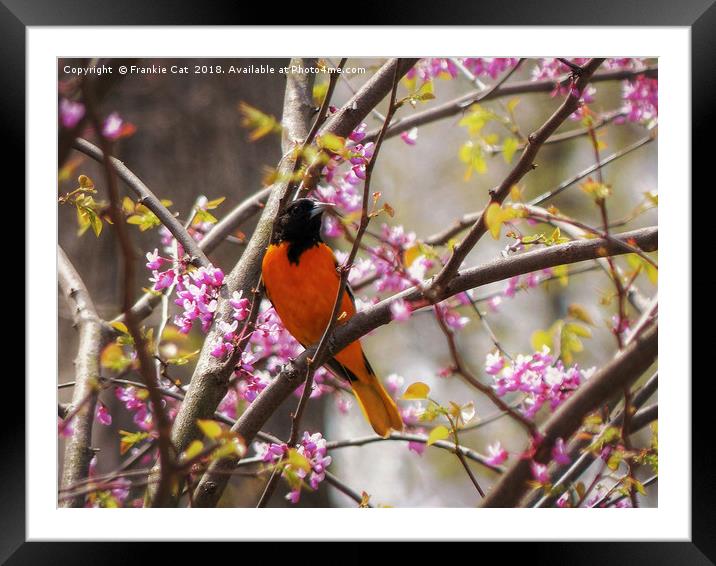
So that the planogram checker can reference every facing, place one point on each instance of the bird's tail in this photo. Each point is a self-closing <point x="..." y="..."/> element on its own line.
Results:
<point x="377" y="406"/>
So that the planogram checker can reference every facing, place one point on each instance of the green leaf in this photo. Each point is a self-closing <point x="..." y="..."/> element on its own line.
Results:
<point x="229" y="447"/>
<point x="183" y="359"/>
<point x="580" y="313"/>
<point x="259" y="123"/>
<point x="129" y="439"/>
<point x="210" y="428"/>
<point x="331" y="142"/>
<point x="493" y="219"/>
<point x="114" y="358"/>
<point x="120" y="326"/>
<point x="476" y="118"/>
<point x="212" y="204"/>
<point x="203" y="216"/>
<point x="297" y="460"/>
<point x="509" y="147"/>
<point x="194" y="449"/>
<point x="440" y="432"/>
<point x="599" y="191"/>
<point x="415" y="391"/>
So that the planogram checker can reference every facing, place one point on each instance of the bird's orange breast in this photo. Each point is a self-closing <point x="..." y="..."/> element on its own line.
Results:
<point x="304" y="293"/>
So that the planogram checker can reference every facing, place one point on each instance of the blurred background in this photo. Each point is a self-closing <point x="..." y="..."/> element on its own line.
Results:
<point x="189" y="141"/>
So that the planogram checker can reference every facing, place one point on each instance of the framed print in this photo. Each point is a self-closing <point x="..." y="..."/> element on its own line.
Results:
<point x="290" y="274"/>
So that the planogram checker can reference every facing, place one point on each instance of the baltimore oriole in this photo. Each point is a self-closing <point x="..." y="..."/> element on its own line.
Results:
<point x="300" y="276"/>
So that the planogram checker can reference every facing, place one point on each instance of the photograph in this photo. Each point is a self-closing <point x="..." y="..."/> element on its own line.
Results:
<point x="362" y="281"/>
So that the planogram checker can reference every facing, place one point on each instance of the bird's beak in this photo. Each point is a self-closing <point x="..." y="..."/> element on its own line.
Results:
<point x="320" y="207"/>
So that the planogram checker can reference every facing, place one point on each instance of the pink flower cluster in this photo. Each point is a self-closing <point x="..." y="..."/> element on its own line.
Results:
<point x="198" y="294"/>
<point x="439" y="67"/>
<point x="639" y="94"/>
<point x="641" y="99"/>
<point x="313" y="448"/>
<point x="496" y="454"/>
<point x="229" y="340"/>
<point x="539" y="376"/>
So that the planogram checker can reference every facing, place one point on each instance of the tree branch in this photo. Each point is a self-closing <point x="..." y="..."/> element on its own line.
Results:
<point x="212" y="484"/>
<point x="210" y="379"/>
<point x="581" y="460"/>
<point x="345" y="120"/>
<point x="148" y="199"/>
<point x="620" y="372"/>
<point x="318" y="359"/>
<point x="159" y="416"/>
<point x="92" y="336"/>
<point x="208" y="385"/>
<point x="523" y="165"/>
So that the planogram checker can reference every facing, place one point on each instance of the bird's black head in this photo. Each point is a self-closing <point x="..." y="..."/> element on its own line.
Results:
<point x="300" y="226"/>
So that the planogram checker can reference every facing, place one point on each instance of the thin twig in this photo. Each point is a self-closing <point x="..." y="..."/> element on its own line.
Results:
<point x="161" y="421"/>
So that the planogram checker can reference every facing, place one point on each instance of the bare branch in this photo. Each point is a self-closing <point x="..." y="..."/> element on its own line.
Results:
<point x="92" y="331"/>
<point x="343" y="488"/>
<point x="159" y="416"/>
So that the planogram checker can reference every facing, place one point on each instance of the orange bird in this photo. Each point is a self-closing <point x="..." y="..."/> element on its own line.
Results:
<point x="301" y="281"/>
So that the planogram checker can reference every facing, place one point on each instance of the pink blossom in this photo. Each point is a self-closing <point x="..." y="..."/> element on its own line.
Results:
<point x="400" y="310"/>
<point x="497" y="454"/>
<point x="251" y="385"/>
<point x="240" y="305"/>
<point x="539" y="472"/>
<point x="543" y="379"/>
<point x="228" y="405"/>
<point x="563" y="500"/>
<point x="559" y="453"/>
<point x="154" y="260"/>
<point x="65" y="428"/>
<point x="102" y="414"/>
<point x="313" y="448"/>
<point x="71" y="112"/>
<point x="410" y="136"/>
<point x="198" y="294"/>
<point x="112" y="127"/>
<point x="344" y="404"/>
<point x="220" y="349"/>
<point x="417" y="447"/>
<point x="394" y="383"/>
<point x="641" y="101"/>
<point x="452" y="318"/>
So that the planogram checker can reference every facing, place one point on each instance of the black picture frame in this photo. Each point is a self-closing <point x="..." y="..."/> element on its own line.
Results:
<point x="698" y="15"/>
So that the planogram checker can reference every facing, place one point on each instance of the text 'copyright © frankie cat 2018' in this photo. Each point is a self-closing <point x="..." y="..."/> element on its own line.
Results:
<point x="157" y="69"/>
